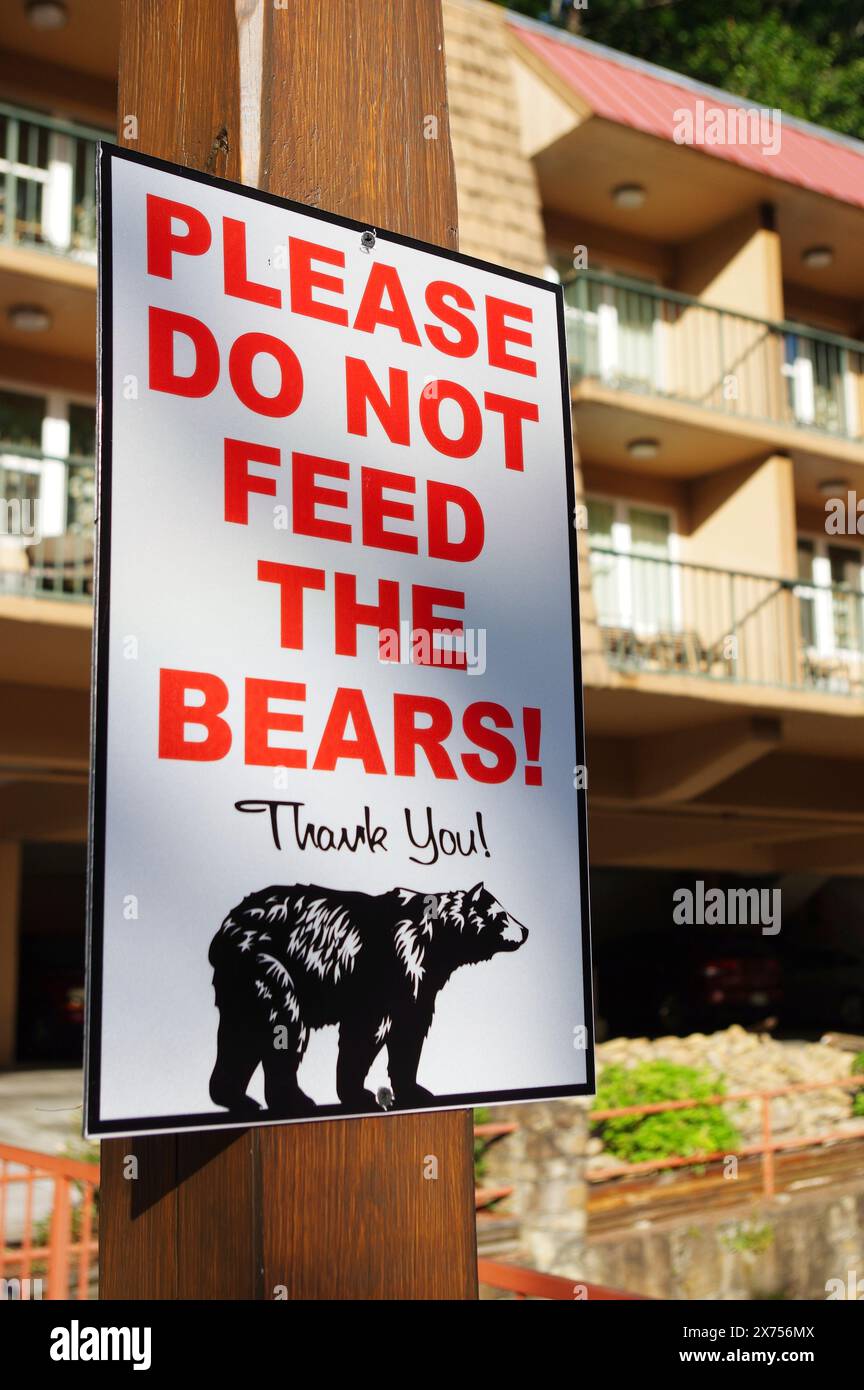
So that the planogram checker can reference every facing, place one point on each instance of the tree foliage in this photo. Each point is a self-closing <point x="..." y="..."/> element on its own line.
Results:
<point x="805" y="58"/>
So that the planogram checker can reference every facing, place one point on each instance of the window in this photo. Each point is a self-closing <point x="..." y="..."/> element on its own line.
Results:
<point x="38" y="432"/>
<point x="635" y="587"/>
<point x="24" y="164"/>
<point x="81" y="485"/>
<point x="846" y="570"/>
<point x="831" y="597"/>
<point x="47" y="184"/>
<point x="21" y="419"/>
<point x="82" y="430"/>
<point x="806" y="598"/>
<point x="820" y="388"/>
<point x="614" y="332"/>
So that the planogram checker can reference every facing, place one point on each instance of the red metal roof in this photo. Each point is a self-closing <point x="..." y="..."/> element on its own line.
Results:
<point x="627" y="92"/>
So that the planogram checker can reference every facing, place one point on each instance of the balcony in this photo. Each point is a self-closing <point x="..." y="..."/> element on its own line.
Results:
<point x="46" y="525"/>
<point x="48" y="183"/>
<point x="662" y="616"/>
<point x="636" y="337"/>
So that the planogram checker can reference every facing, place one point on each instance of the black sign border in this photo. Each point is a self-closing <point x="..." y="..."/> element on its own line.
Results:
<point x="207" y="1120"/>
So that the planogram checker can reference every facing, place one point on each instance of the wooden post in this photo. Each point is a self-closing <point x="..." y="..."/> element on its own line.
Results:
<point x="342" y="106"/>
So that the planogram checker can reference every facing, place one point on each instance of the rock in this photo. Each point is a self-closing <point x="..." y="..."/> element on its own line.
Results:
<point x="753" y="1062"/>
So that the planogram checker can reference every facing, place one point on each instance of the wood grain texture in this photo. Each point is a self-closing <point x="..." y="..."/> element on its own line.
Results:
<point x="364" y="80"/>
<point x="138" y="1219"/>
<point x="339" y="1209"/>
<point x="219" y="1215"/>
<point x="179" y="78"/>
<point x="366" y="1213"/>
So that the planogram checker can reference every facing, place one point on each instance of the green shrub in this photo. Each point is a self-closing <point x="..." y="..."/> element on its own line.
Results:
<point x="858" y="1096"/>
<point x="673" y="1133"/>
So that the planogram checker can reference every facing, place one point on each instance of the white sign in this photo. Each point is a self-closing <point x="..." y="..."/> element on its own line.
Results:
<point x="339" y="838"/>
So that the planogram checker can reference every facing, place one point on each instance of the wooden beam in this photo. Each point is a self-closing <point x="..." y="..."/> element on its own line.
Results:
<point x="625" y="836"/>
<point x="43" y="730"/>
<point x="381" y="147"/>
<point x="681" y="766"/>
<point x="43" y="810"/>
<point x="834" y="854"/>
<point x="82" y="96"/>
<point x="809" y="785"/>
<point x="334" y="99"/>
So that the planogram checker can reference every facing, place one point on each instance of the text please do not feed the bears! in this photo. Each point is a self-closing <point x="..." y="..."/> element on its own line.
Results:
<point x="311" y="496"/>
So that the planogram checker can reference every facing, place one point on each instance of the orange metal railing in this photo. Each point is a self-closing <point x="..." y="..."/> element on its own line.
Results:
<point x="768" y="1147"/>
<point x="48" y="1236"/>
<point x="530" y="1283"/>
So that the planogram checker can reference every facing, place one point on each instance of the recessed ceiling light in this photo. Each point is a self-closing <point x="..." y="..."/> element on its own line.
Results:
<point x="643" y="448"/>
<point x="818" y="257"/>
<point x="832" y="487"/>
<point x="47" y="14"/>
<point x="29" y="318"/>
<point x="629" y="195"/>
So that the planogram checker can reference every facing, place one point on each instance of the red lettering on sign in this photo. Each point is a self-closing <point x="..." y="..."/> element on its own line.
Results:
<point x="372" y="311"/>
<point x="437" y="295"/>
<point x="293" y="581"/>
<point x="237" y="283"/>
<point x="475" y="729"/>
<point x="260" y="719"/>
<point x="512" y="412"/>
<point x="304" y="280"/>
<point x="239" y="482"/>
<point x="361" y="389"/>
<point x="425" y="619"/>
<point x="350" y="614"/>
<point x="175" y="714"/>
<point x="349" y="705"/>
<point x="464" y="444"/>
<point x="163" y="241"/>
<point x="429" y="738"/>
<point x="441" y="496"/>
<point x="500" y="334"/>
<point x="240" y="361"/>
<point x="376" y="507"/>
<point x="164" y="325"/>
<point x="307" y="496"/>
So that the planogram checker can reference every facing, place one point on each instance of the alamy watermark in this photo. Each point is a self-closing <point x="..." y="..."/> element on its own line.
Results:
<point x="19" y="517"/>
<point x="20" y="1290"/>
<point x="844" y="516"/>
<point x="756" y="126"/>
<point x="851" y="1288"/>
<point x="463" y="648"/>
<point x="727" y="907"/>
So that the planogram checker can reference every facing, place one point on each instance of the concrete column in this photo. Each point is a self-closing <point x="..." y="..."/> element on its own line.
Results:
<point x="595" y="670"/>
<point x="544" y="1162"/>
<point x="736" y="266"/>
<point x="744" y="518"/>
<point x="10" y="897"/>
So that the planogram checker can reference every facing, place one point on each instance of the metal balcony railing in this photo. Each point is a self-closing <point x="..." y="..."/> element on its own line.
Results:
<point x="46" y="524"/>
<point x="48" y="183"/>
<point x="665" y="617"/>
<point x="638" y="337"/>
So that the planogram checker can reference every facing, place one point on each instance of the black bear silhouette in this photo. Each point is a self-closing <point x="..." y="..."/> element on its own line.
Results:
<point x="290" y="959"/>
